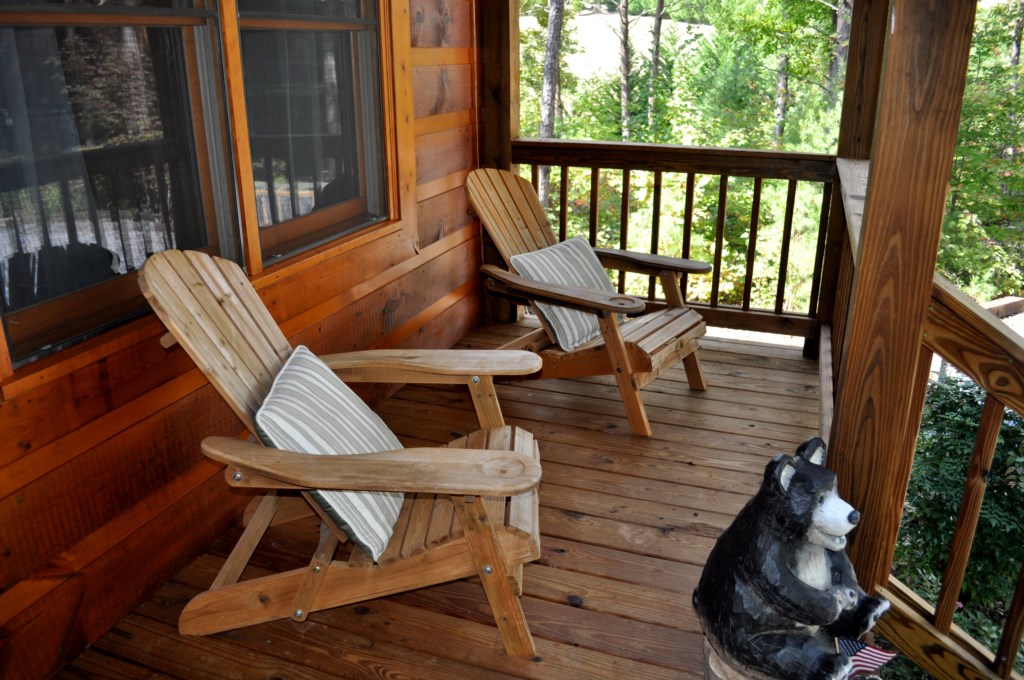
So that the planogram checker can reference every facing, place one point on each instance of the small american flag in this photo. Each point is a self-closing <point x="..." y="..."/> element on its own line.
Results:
<point x="866" y="658"/>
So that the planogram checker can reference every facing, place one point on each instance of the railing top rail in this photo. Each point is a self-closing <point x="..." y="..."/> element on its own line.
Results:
<point x="676" y="158"/>
<point x="977" y="343"/>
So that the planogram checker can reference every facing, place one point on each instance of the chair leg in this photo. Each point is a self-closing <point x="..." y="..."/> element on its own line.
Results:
<point x="629" y="389"/>
<point x="498" y="582"/>
<point x="316" y="571"/>
<point x="257" y="525"/>
<point x="694" y="372"/>
<point x="516" y="574"/>
<point x="485" y="401"/>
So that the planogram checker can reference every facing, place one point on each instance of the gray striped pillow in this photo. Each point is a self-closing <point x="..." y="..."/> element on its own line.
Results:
<point x="309" y="409"/>
<point x="570" y="263"/>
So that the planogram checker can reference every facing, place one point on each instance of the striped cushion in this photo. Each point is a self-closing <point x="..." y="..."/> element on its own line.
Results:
<point x="309" y="409"/>
<point x="570" y="263"/>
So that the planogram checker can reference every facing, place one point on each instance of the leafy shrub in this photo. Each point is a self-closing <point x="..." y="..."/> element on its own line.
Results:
<point x="945" y="444"/>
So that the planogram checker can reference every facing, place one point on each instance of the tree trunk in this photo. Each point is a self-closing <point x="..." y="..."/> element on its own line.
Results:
<point x="624" y="59"/>
<point x="550" y="87"/>
<point x="1018" y="28"/>
<point x="840" y="51"/>
<point x="655" y="59"/>
<point x="781" y="99"/>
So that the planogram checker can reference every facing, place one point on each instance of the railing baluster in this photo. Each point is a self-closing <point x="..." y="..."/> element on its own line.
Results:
<point x="687" y="227"/>
<point x="94" y="214"/>
<point x="535" y="176"/>
<point x="114" y="206"/>
<point x="293" y="185"/>
<point x="819" y="253"/>
<point x="755" y="215"/>
<point x="1013" y="632"/>
<point x="787" y="235"/>
<point x="268" y="174"/>
<point x="624" y="222"/>
<point x="44" y="219"/>
<point x="69" y="211"/>
<point x="595" y="177"/>
<point x="165" y="208"/>
<point x="655" y="227"/>
<point x="970" y="510"/>
<point x="841" y="304"/>
<point x="723" y="194"/>
<point x="563" y="202"/>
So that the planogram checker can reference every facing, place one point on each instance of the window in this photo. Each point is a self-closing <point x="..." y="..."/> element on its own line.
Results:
<point x="114" y="145"/>
<point x="98" y="169"/>
<point x="313" y="106"/>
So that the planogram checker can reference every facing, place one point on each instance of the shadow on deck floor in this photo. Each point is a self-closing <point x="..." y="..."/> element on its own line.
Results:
<point x="626" y="525"/>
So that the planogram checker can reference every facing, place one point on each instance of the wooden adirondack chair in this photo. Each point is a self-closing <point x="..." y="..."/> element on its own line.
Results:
<point x="470" y="508"/>
<point x="635" y="351"/>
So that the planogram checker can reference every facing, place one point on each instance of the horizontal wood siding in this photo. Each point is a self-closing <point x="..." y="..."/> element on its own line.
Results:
<point x="104" y="493"/>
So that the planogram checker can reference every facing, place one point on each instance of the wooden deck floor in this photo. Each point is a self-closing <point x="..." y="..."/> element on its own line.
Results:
<point x="626" y="522"/>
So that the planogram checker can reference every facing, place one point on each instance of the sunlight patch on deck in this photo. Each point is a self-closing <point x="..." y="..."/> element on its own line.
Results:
<point x="755" y="336"/>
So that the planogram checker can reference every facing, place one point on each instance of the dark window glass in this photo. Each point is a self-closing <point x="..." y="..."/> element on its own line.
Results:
<point x="313" y="104"/>
<point x="97" y="171"/>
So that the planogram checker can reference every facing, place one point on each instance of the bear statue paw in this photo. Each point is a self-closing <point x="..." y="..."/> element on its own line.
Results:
<point x="836" y="667"/>
<point x="880" y="607"/>
<point x="848" y="598"/>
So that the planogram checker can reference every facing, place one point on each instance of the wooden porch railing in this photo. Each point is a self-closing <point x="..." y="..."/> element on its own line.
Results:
<point x="683" y="169"/>
<point x="971" y="339"/>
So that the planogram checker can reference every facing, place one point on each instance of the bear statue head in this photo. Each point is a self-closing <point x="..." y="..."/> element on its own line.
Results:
<point x="804" y="497"/>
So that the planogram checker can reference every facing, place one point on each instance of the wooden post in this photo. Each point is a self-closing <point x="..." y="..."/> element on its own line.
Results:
<point x="499" y="81"/>
<point x="230" y="35"/>
<point x="915" y="134"/>
<point x="402" y="147"/>
<point x="498" y="38"/>
<point x="868" y="27"/>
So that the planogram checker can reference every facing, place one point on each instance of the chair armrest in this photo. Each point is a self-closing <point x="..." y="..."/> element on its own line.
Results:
<point x="652" y="265"/>
<point x="583" y="299"/>
<point x="440" y="366"/>
<point x="473" y="472"/>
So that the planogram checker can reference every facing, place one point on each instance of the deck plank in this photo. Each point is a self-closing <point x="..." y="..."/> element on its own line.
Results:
<point x="626" y="523"/>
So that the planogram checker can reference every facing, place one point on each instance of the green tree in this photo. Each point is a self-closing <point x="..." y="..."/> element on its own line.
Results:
<point x="982" y="247"/>
<point x="766" y="71"/>
<point x="533" y="44"/>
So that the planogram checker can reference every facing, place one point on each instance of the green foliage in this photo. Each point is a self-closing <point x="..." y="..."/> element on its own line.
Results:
<point x="983" y="236"/>
<point x="945" y="443"/>
<point x="694" y="11"/>
<point x="736" y="79"/>
<point x="733" y="95"/>
<point x="717" y="85"/>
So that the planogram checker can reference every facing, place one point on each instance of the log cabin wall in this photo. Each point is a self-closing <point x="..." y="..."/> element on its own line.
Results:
<point x="104" y="493"/>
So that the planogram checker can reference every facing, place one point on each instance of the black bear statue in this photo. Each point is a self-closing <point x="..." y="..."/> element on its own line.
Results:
<point x="778" y="588"/>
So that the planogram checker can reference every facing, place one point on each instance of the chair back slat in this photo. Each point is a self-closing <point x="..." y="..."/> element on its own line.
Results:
<point x="213" y="311"/>
<point x="509" y="209"/>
